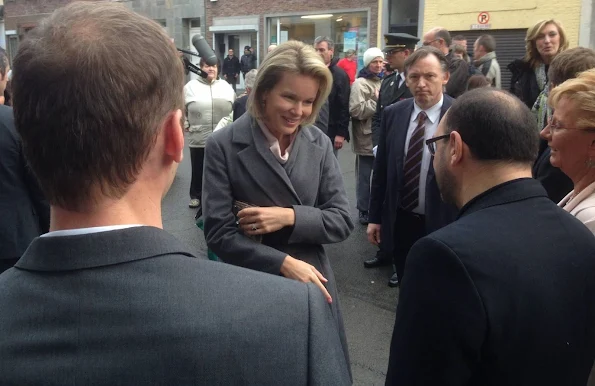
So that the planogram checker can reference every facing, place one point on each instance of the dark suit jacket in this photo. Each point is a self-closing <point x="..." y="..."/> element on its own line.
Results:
<point x="459" y="76"/>
<point x="133" y="307"/>
<point x="556" y="183"/>
<point x="24" y="212"/>
<point x="239" y="106"/>
<point x="388" y="95"/>
<point x="338" y="99"/>
<point x="231" y="67"/>
<point x="505" y="295"/>
<point x="322" y="118"/>
<point x="388" y="177"/>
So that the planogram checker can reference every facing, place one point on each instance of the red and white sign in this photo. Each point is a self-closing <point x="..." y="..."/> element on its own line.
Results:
<point x="483" y="18"/>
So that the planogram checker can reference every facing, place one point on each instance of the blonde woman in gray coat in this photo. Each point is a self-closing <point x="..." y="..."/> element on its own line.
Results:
<point x="274" y="192"/>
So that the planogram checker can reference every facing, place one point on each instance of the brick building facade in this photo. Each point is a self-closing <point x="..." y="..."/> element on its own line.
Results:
<point x="352" y="24"/>
<point x="22" y="15"/>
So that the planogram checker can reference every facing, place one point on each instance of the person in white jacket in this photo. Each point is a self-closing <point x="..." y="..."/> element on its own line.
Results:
<point x="209" y="107"/>
<point x="362" y="106"/>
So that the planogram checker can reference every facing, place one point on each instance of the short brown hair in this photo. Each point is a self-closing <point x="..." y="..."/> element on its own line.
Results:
<point x="532" y="55"/>
<point x="92" y="85"/>
<point x="580" y="90"/>
<point x="424" y="52"/>
<point x="292" y="57"/>
<point x="477" y="81"/>
<point x="566" y="65"/>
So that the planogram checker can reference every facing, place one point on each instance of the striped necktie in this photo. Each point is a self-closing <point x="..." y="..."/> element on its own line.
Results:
<point x="412" y="169"/>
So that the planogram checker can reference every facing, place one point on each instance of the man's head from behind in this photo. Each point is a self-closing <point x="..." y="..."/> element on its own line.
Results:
<point x="97" y="101"/>
<point x="487" y="135"/>
<point x="568" y="64"/>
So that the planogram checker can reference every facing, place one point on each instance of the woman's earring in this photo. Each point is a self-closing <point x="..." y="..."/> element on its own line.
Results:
<point x="591" y="163"/>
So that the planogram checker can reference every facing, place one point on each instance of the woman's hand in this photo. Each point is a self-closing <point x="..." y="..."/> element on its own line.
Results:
<point x="301" y="271"/>
<point x="263" y="220"/>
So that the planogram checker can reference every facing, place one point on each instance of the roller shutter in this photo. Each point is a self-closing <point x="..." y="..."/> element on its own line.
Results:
<point x="510" y="45"/>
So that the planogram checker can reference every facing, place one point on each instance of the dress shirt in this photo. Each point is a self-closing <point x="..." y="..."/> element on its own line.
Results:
<point x="400" y="79"/>
<point x="274" y="143"/>
<point x="431" y="125"/>
<point x="85" y="231"/>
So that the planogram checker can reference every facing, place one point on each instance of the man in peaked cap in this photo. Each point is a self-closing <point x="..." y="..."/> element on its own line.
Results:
<point x="397" y="48"/>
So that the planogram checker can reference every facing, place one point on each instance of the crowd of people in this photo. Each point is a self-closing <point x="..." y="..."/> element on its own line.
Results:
<point x="482" y="199"/>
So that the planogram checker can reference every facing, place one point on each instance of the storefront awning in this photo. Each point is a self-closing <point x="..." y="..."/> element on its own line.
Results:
<point x="233" y="28"/>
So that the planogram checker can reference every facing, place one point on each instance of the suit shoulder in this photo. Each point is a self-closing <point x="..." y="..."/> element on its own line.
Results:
<point x="388" y="78"/>
<point x="249" y="286"/>
<point x="399" y="106"/>
<point x="316" y="135"/>
<point x="448" y="100"/>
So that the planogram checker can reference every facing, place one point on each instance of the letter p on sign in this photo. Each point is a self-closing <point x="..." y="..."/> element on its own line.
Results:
<point x="483" y="18"/>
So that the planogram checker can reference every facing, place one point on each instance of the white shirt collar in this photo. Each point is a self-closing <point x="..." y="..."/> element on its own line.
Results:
<point x="433" y="112"/>
<point x="402" y="76"/>
<point x="85" y="231"/>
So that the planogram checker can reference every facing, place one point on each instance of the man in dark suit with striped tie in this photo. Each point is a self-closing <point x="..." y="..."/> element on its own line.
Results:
<point x="405" y="198"/>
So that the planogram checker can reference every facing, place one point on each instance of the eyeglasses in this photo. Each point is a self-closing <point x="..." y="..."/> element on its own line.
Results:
<point x="430" y="42"/>
<point x="431" y="143"/>
<point x="555" y="126"/>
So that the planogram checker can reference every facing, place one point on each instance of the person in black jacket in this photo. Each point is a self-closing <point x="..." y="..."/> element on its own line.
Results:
<point x="505" y="295"/>
<point x="239" y="106"/>
<point x="458" y="69"/>
<point x="544" y="41"/>
<point x="24" y="211"/>
<point x="565" y="65"/>
<point x="247" y="61"/>
<point x="338" y="123"/>
<point x="231" y="69"/>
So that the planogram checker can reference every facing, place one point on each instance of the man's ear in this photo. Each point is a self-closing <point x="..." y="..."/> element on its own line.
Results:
<point x="446" y="78"/>
<point x="456" y="149"/>
<point x="174" y="136"/>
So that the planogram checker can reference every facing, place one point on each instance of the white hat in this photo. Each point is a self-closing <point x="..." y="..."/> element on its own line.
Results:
<point x="371" y="54"/>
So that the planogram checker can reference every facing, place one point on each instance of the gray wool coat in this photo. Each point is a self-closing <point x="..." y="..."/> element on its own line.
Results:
<point x="240" y="166"/>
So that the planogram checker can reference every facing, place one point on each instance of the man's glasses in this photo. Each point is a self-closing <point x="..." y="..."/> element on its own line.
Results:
<point x="431" y="143"/>
<point x="430" y="42"/>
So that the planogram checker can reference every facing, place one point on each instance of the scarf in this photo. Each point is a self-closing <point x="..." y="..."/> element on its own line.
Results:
<point x="540" y="108"/>
<point x="485" y="58"/>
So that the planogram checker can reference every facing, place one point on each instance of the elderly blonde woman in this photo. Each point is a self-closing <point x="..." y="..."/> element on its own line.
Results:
<point x="571" y="137"/>
<point x="529" y="81"/>
<point x="209" y="102"/>
<point x="239" y="106"/>
<point x="362" y="106"/>
<point x="274" y="192"/>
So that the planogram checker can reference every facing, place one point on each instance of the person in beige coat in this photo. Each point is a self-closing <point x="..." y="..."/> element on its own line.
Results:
<point x="362" y="106"/>
<point x="571" y="137"/>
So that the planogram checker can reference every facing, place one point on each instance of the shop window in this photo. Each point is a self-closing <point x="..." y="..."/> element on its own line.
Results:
<point x="348" y="30"/>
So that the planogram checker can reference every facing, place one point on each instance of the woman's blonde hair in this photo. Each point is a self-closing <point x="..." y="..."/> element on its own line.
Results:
<point x="580" y="90"/>
<point x="295" y="58"/>
<point x="532" y="56"/>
